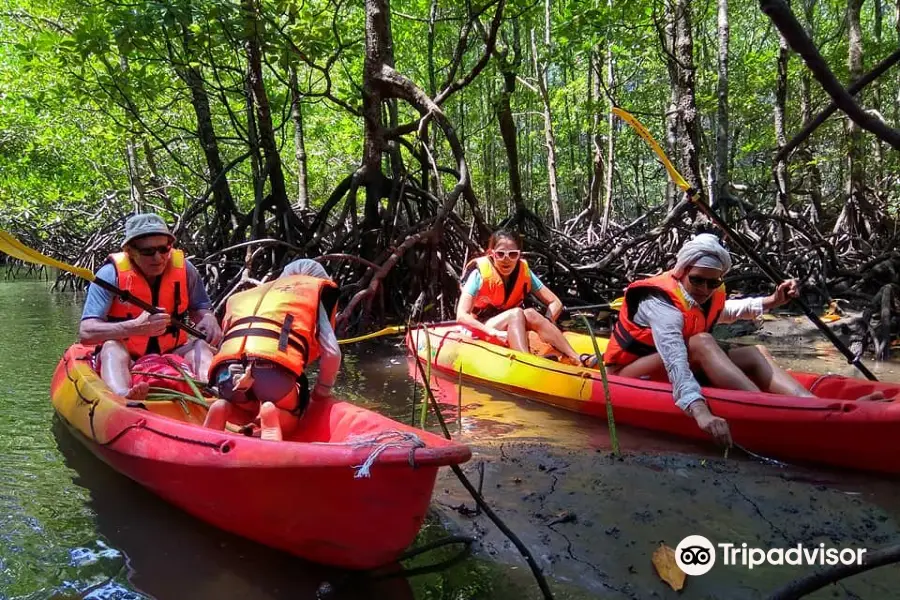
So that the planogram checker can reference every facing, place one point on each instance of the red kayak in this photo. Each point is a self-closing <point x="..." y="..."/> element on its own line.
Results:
<point x="350" y="488"/>
<point x="831" y="428"/>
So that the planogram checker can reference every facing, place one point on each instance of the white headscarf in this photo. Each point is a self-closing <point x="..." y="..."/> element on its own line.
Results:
<point x="702" y="251"/>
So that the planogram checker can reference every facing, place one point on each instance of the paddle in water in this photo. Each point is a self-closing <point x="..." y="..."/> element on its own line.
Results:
<point x="770" y="271"/>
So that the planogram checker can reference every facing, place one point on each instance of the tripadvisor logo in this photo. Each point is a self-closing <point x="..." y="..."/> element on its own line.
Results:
<point x="696" y="555"/>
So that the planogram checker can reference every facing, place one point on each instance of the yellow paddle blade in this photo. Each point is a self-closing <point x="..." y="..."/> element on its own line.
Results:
<point x="617" y="303"/>
<point x="13" y="247"/>
<point x="386" y="331"/>
<point x="642" y="131"/>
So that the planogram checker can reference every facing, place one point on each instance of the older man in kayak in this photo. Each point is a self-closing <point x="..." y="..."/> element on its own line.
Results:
<point x="150" y="268"/>
<point x="272" y="333"/>
<point x="664" y="331"/>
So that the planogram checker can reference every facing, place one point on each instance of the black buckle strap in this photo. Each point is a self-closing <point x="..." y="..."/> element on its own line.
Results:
<point x="629" y="344"/>
<point x="299" y="344"/>
<point x="282" y="326"/>
<point x="285" y="333"/>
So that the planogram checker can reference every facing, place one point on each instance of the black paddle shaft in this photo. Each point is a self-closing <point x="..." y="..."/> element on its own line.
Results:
<point x="777" y="278"/>
<point x="129" y="297"/>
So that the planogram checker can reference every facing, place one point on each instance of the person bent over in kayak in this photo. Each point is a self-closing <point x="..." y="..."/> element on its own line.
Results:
<point x="663" y="330"/>
<point x="493" y="291"/>
<point x="151" y="269"/>
<point x="272" y="332"/>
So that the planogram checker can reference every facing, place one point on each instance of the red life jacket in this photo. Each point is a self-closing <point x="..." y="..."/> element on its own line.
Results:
<point x="169" y="292"/>
<point x="630" y="341"/>
<point x="494" y="293"/>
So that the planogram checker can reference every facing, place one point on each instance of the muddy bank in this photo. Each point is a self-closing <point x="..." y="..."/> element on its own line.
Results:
<point x="594" y="521"/>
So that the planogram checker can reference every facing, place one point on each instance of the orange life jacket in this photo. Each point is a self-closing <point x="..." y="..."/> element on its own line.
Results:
<point x="276" y="321"/>
<point x="169" y="292"/>
<point x="630" y="341"/>
<point x="494" y="293"/>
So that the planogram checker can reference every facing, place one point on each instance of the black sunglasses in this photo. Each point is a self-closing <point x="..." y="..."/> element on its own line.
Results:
<point x="151" y="250"/>
<point x="710" y="284"/>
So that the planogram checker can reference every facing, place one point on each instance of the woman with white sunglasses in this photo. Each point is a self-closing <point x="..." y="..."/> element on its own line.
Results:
<point x="494" y="290"/>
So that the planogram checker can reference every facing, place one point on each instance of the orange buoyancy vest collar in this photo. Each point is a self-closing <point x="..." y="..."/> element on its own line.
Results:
<point x="169" y="292"/>
<point x="276" y="321"/>
<point x="631" y="341"/>
<point x="494" y="292"/>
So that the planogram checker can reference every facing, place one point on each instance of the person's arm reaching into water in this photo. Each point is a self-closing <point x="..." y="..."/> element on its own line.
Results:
<point x="667" y="323"/>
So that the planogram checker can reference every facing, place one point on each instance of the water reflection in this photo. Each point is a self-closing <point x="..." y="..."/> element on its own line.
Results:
<point x="72" y="527"/>
<point x="165" y="553"/>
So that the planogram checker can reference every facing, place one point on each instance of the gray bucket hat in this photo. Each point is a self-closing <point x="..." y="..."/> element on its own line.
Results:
<point x="145" y="224"/>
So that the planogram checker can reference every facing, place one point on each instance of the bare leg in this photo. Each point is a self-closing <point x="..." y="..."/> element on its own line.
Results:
<point x="513" y="323"/>
<point x="759" y="366"/>
<point x="199" y="356"/>
<point x="115" y="370"/>
<point x="270" y="422"/>
<point x="650" y="366"/>
<point x="550" y="333"/>
<point x="706" y="355"/>
<point x="221" y="411"/>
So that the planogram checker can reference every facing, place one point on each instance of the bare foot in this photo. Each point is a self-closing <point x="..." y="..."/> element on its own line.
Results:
<point x="873" y="397"/>
<point x="217" y="416"/>
<point x="269" y="422"/>
<point x="139" y="391"/>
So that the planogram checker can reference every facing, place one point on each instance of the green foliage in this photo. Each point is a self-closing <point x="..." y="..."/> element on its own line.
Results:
<point x="79" y="81"/>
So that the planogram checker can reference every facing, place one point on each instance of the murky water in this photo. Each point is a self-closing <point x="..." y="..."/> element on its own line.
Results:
<point x="70" y="527"/>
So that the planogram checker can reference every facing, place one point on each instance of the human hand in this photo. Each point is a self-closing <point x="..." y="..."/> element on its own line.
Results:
<point x="149" y="325"/>
<point x="501" y="335"/>
<point x="209" y="326"/>
<point x="715" y="426"/>
<point x="784" y="293"/>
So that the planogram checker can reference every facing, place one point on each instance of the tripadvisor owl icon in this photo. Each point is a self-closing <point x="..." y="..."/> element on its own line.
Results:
<point x="695" y="555"/>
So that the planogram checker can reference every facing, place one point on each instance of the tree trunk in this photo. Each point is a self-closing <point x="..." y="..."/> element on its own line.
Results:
<point x="432" y="90"/>
<point x="720" y="190"/>
<point x="813" y="181"/>
<point x="611" y="141"/>
<point x="782" y="185"/>
<point x="688" y="132"/>
<point x="849" y="220"/>
<point x="508" y="68"/>
<point x="277" y="198"/>
<point x="596" y="90"/>
<point x="540" y="72"/>
<point x="876" y="92"/>
<point x="136" y="185"/>
<point x="667" y="38"/>
<point x="299" y="143"/>
<point x="379" y="53"/>
<point x="222" y="224"/>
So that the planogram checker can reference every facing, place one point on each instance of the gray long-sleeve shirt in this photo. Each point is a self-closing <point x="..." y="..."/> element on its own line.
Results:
<point x="666" y="322"/>
<point x="330" y="351"/>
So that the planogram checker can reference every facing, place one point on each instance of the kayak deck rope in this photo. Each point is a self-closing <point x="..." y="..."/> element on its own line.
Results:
<point x="384" y="441"/>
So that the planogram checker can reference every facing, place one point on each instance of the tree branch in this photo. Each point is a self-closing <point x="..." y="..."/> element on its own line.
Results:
<point x="793" y="32"/>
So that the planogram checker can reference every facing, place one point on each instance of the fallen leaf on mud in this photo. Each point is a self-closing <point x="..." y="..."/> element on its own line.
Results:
<point x="667" y="568"/>
<point x="830" y="318"/>
<point x="768" y="317"/>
